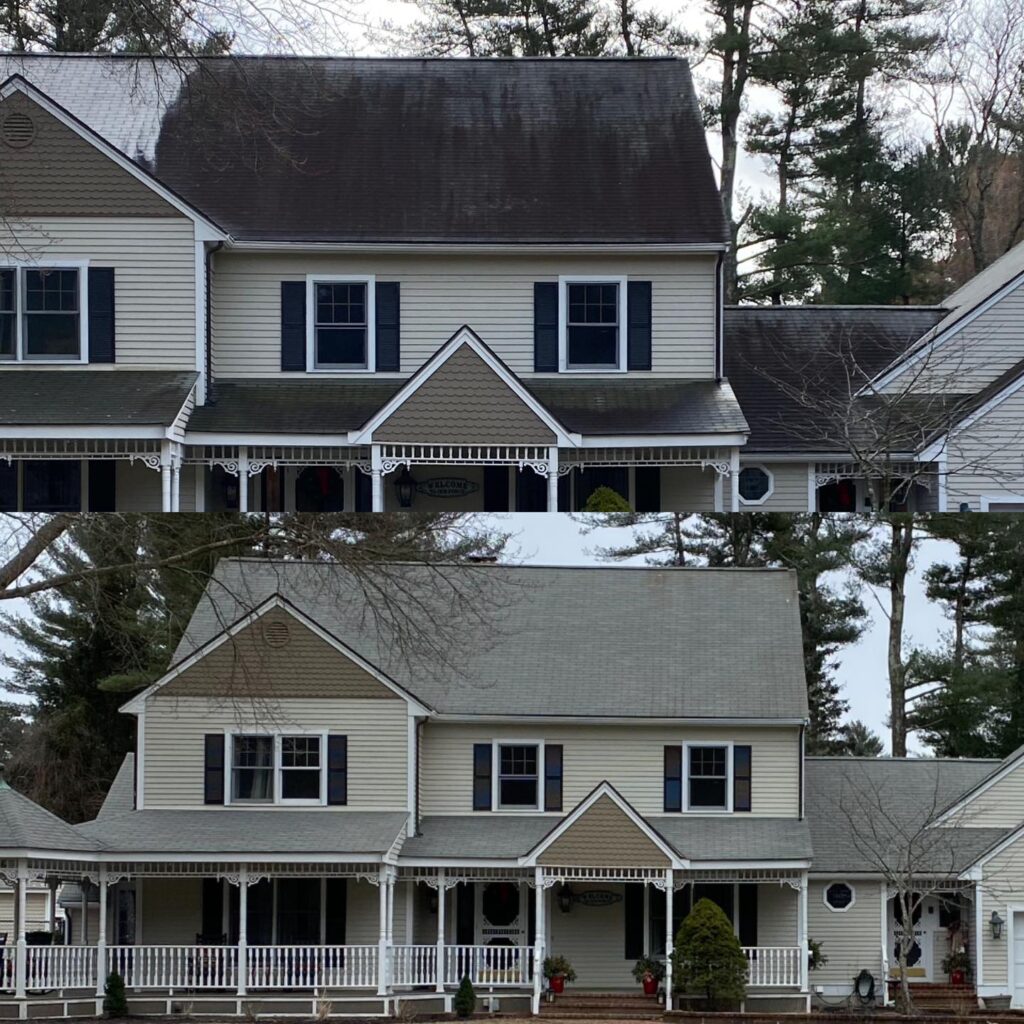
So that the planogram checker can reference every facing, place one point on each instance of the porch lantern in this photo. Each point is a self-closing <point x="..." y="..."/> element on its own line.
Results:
<point x="565" y="899"/>
<point x="405" y="488"/>
<point x="996" y="924"/>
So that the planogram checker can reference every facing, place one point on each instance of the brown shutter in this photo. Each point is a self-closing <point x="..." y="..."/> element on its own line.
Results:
<point x="337" y="770"/>
<point x="673" y="778"/>
<point x="552" y="777"/>
<point x="213" y="772"/>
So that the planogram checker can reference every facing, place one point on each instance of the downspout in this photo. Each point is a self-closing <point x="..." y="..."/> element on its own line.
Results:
<point x="719" y="327"/>
<point x="211" y="398"/>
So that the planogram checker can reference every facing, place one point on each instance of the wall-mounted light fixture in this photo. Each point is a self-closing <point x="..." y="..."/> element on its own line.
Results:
<point x="996" y="924"/>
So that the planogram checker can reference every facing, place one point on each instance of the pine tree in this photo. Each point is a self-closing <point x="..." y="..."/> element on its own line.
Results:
<point x="859" y="740"/>
<point x="707" y="959"/>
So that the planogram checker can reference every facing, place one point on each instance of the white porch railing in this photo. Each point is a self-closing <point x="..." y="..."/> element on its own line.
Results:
<point x="414" y="965"/>
<point x="315" y="967"/>
<point x="7" y="957"/>
<point x="59" y="967"/>
<point x="175" y="967"/>
<point x="773" y="965"/>
<point x="510" y="966"/>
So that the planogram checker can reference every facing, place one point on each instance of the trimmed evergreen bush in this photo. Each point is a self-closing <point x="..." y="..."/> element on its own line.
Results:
<point x="604" y="499"/>
<point x="115" y="1003"/>
<point x="465" y="998"/>
<point x="708" y="959"/>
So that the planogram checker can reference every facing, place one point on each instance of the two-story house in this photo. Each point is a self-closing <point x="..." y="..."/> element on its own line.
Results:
<point x="316" y="818"/>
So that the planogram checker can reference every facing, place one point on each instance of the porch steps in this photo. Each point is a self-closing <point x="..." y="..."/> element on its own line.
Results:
<point x="602" y="1006"/>
<point x="937" y="996"/>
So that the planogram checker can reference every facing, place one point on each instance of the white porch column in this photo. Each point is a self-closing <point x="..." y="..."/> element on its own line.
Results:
<point x="176" y="454"/>
<point x="734" y="480"/>
<point x="802" y="935"/>
<point x="84" y="903"/>
<point x="243" y="478"/>
<point x="243" y="929"/>
<point x="539" y="939"/>
<point x="670" y="892"/>
<point x="54" y="885"/>
<point x="384" y="884"/>
<point x="376" y="480"/>
<point x="165" y="476"/>
<point x="441" y="893"/>
<point x="101" y="936"/>
<point x="552" y="479"/>
<point x="21" y="950"/>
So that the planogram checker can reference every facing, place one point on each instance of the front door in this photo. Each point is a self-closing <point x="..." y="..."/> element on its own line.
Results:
<point x="921" y="964"/>
<point x="502" y="914"/>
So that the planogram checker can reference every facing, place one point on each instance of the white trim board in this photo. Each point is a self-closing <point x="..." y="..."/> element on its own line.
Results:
<point x="939" y="447"/>
<point x="998" y="773"/>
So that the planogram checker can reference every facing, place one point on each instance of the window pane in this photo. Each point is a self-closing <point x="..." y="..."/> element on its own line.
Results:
<point x="300" y="784"/>
<point x="252" y="775"/>
<point x="707" y="761"/>
<point x="53" y="486"/>
<point x="253" y="752"/>
<point x="341" y="346"/>
<point x="51" y="291"/>
<point x="300" y="751"/>
<point x="518" y="792"/>
<point x="517" y="776"/>
<point x="707" y="792"/>
<point x="753" y="483"/>
<point x="593" y="346"/>
<point x="593" y="303"/>
<point x="51" y="334"/>
<point x="518" y="760"/>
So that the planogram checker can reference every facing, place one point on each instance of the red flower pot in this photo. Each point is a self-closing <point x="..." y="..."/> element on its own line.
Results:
<point x="650" y="984"/>
<point x="557" y="983"/>
<point x="957" y="977"/>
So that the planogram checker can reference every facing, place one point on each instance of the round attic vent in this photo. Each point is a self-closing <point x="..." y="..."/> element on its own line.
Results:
<point x="17" y="130"/>
<point x="276" y="634"/>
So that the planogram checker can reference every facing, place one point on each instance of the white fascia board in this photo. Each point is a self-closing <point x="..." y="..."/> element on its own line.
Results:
<point x="662" y="440"/>
<point x="180" y="419"/>
<point x="997" y="775"/>
<point x="458" y="862"/>
<point x="464" y="336"/>
<point x="454" y="248"/>
<point x="52" y="433"/>
<point x="749" y="865"/>
<point x="212" y="232"/>
<point x="983" y="410"/>
<point x="216" y="437"/>
<point x="724" y="723"/>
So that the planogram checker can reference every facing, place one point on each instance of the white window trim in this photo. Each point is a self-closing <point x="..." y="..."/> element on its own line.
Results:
<point x="564" y="281"/>
<point x="839" y="881"/>
<point x="277" y="801"/>
<point x="19" y="267"/>
<point x="496" y="746"/>
<point x="991" y="502"/>
<point x="370" y="280"/>
<point x="727" y="746"/>
<point x="771" y="483"/>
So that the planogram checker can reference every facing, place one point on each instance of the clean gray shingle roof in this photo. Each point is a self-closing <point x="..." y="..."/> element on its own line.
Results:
<point x="226" y="831"/>
<point x="861" y="809"/>
<point x="121" y="795"/>
<point x="26" y="825"/>
<point x="480" y="835"/>
<point x="735" y="838"/>
<point x="85" y="398"/>
<point x="594" y="641"/>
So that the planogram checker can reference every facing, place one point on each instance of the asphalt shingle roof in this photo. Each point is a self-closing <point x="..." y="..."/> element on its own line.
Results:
<point x="121" y="795"/>
<point x="26" y="825"/>
<point x="594" y="641"/>
<point x="736" y="838"/>
<point x="478" y="835"/>
<point x="86" y="398"/>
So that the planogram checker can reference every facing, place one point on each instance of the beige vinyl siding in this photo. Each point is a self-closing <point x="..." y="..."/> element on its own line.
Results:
<point x="376" y="730"/>
<point x="998" y="806"/>
<point x="492" y="294"/>
<point x="852" y="940"/>
<point x="987" y="458"/>
<point x="154" y="280"/>
<point x="593" y="940"/>
<point x="170" y="911"/>
<point x="789" y="482"/>
<point x="1001" y="890"/>
<point x="138" y="488"/>
<point x="37" y="912"/>
<point x="689" y="489"/>
<point x="778" y="909"/>
<point x="630" y="757"/>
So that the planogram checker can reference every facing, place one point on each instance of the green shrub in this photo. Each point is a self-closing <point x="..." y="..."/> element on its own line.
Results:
<point x="604" y="499"/>
<point x="558" y="965"/>
<point x="115" y="1004"/>
<point x="708" y="959"/>
<point x="465" y="998"/>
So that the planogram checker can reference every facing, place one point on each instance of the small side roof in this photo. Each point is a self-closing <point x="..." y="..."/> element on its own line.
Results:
<point x="24" y="825"/>
<point x="121" y="795"/>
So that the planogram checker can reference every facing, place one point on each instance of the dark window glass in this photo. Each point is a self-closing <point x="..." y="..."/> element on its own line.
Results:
<point x="319" y="489"/>
<point x="341" y="325"/>
<point x="300" y="767"/>
<point x="8" y="486"/>
<point x="8" y="311"/>
<point x="839" y="895"/>
<point x="517" y="776"/>
<point x="53" y="486"/>
<point x="754" y="483"/>
<point x="708" y="777"/>
<point x="840" y="496"/>
<point x="592" y="328"/>
<point x="298" y="911"/>
<point x="252" y="768"/>
<point x="51" y="314"/>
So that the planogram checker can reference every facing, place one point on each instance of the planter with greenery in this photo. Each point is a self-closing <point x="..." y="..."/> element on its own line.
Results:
<point x="958" y="966"/>
<point x="464" y="1002"/>
<point x="115" y="1003"/>
<point x="815" y="957"/>
<point x="558" y="971"/>
<point x="708" y="960"/>
<point x="649" y="973"/>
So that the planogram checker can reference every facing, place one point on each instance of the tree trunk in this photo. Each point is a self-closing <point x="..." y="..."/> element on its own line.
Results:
<point x="902" y="545"/>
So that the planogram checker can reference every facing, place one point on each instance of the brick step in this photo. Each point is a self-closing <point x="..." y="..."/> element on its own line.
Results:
<point x="610" y="1013"/>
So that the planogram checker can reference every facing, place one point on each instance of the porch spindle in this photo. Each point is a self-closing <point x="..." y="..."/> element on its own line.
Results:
<point x="21" y="953"/>
<point x="439" y="965"/>
<point x="243" y="929"/>
<point x="101" y="939"/>
<point x="670" y="886"/>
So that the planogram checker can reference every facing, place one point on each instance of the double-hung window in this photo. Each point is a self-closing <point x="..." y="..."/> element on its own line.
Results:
<point x="707" y="777"/>
<point x="252" y="769"/>
<point x="301" y="774"/>
<point x="593" y="329"/>
<point x="518" y="776"/>
<point x="341" y="327"/>
<point x="277" y="769"/>
<point x="42" y="314"/>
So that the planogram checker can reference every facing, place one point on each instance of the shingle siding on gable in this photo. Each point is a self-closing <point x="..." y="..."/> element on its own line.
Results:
<point x="60" y="174"/>
<point x="464" y="402"/>
<point x="604" y="836"/>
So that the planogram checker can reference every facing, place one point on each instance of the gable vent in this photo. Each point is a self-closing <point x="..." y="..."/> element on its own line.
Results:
<point x="276" y="634"/>
<point x="17" y="130"/>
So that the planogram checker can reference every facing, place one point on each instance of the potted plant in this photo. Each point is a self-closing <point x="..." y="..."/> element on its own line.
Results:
<point x="957" y="965"/>
<point x="558" y="971"/>
<point x="815" y="955"/>
<point x="649" y="973"/>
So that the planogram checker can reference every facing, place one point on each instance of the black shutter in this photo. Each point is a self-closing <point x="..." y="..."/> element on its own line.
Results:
<point x="212" y="912"/>
<point x="633" y="909"/>
<point x="465" y="914"/>
<point x="8" y="486"/>
<point x="481" y="776"/>
<point x="748" y="915"/>
<point x="364" y="492"/>
<point x="102" y="486"/>
<point x="741" y="778"/>
<point x="496" y="490"/>
<point x="647" y="489"/>
<point x="387" y="319"/>
<point x="213" y="774"/>
<point x="337" y="770"/>
<point x="336" y="907"/>
<point x="673" y="778"/>
<point x="552" y="777"/>
<point x="545" y="326"/>
<point x="101" y="314"/>
<point x="638" y="339"/>
<point x="293" y="325"/>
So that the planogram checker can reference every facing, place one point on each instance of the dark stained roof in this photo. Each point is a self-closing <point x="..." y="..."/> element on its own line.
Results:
<point x="85" y="398"/>
<point x="775" y="354"/>
<point x="411" y="150"/>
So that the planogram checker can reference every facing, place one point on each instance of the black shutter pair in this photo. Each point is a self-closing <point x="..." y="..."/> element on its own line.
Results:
<point x="388" y="326"/>
<point x="741" y="778"/>
<point x="214" y="769"/>
<point x="483" y="777"/>
<point x="101" y="314"/>
<point x="545" y="326"/>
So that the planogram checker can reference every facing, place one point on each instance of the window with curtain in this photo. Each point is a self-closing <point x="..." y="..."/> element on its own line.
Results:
<point x="252" y="769"/>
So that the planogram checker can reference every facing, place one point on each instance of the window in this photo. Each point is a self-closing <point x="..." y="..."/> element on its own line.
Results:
<point x="755" y="484"/>
<point x="41" y="313"/>
<point x="300" y="768"/>
<point x="52" y="486"/>
<point x="517" y="776"/>
<point x="341" y="325"/>
<point x="708" y="778"/>
<point x="839" y="896"/>
<point x="593" y="324"/>
<point x="252" y="769"/>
